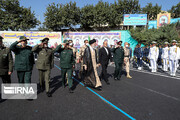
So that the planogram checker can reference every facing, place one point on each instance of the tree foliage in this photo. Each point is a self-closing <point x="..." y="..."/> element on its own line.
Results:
<point x="175" y="11"/>
<point x="161" y="35"/>
<point x="151" y="11"/>
<point x="97" y="17"/>
<point x="60" y="16"/>
<point x="15" y="17"/>
<point x="87" y="17"/>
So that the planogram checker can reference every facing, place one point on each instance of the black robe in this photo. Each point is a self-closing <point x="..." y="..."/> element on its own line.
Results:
<point x="89" y="78"/>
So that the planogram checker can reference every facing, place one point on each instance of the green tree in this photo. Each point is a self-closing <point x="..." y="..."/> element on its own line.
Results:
<point x="151" y="11"/>
<point x="101" y="14"/>
<point x="161" y="35"/>
<point x="54" y="20"/>
<point x="58" y="16"/>
<point x="15" y="18"/>
<point x="129" y="6"/>
<point x="118" y="9"/>
<point x="71" y="15"/>
<point x="87" y="17"/>
<point x="115" y="16"/>
<point x="175" y="11"/>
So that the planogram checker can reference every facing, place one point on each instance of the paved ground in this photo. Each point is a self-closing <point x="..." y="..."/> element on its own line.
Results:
<point x="146" y="96"/>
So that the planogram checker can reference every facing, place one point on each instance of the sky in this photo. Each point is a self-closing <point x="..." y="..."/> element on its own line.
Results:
<point x="39" y="6"/>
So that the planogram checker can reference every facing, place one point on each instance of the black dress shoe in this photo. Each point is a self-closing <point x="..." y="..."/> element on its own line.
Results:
<point x="70" y="90"/>
<point x="41" y="89"/>
<point x="119" y="78"/>
<point x="99" y="88"/>
<point x="48" y="94"/>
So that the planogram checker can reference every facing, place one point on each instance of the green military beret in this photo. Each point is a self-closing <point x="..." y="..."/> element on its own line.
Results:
<point x="23" y="38"/>
<point x="65" y="41"/>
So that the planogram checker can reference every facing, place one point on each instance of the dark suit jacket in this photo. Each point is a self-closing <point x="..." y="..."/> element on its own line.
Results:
<point x="103" y="57"/>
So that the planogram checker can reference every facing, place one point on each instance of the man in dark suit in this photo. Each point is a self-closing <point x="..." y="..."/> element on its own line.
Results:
<point x="104" y="57"/>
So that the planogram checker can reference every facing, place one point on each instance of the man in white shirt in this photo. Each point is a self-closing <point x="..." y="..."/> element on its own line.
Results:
<point x="153" y="56"/>
<point x="165" y="56"/>
<point x="173" y="58"/>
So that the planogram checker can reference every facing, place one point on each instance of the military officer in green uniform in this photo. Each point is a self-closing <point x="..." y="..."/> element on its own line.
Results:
<point x="24" y="59"/>
<point x="45" y="62"/>
<point x="6" y="63"/>
<point x="66" y="63"/>
<point x="118" y="53"/>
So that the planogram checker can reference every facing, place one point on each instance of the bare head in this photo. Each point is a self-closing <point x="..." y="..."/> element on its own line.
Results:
<point x="105" y="43"/>
<point x="86" y="42"/>
<point x="126" y="44"/>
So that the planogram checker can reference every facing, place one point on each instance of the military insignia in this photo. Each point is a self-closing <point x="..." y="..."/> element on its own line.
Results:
<point x="4" y="55"/>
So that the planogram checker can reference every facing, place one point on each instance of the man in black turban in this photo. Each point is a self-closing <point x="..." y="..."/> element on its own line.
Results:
<point x="90" y="66"/>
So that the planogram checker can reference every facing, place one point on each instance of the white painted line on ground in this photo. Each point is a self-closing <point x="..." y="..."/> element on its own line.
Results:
<point x="177" y="77"/>
<point x="168" y="96"/>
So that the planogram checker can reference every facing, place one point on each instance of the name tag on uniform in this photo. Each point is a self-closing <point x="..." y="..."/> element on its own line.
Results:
<point x="4" y="55"/>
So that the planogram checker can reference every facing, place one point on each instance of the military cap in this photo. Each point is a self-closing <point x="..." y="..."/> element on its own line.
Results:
<point x="154" y="42"/>
<point x="119" y="42"/>
<point x="45" y="40"/>
<point x="92" y="41"/>
<point x="23" y="38"/>
<point x="166" y="43"/>
<point x="66" y="41"/>
<point x="174" y="41"/>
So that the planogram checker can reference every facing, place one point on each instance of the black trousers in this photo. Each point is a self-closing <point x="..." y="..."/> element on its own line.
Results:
<point x="104" y="72"/>
<point x="6" y="78"/>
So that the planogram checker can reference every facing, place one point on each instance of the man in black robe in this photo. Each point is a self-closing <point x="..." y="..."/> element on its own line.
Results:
<point x="90" y="66"/>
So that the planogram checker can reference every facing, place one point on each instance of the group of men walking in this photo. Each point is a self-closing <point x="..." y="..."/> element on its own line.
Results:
<point x="88" y="56"/>
<point x="154" y="57"/>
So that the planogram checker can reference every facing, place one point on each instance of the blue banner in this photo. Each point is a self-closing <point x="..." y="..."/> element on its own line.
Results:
<point x="135" y="19"/>
<point x="153" y="23"/>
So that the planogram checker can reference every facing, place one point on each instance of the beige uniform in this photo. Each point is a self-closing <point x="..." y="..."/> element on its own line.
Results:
<point x="126" y="58"/>
<point x="81" y="54"/>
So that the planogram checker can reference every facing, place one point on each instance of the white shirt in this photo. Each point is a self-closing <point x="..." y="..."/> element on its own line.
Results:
<point x="174" y="53"/>
<point x="165" y="52"/>
<point x="154" y="53"/>
<point x="106" y="50"/>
